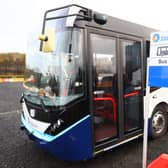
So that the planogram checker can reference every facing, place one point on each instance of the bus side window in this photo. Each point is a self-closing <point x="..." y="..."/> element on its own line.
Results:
<point x="104" y="64"/>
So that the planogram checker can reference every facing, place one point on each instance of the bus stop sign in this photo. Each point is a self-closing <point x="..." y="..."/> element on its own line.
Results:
<point x="158" y="61"/>
<point x="157" y="76"/>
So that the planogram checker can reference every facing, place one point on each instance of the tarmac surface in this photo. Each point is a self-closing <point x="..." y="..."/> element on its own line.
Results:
<point x="17" y="151"/>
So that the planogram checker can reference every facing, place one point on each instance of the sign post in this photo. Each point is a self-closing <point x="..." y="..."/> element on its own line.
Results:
<point x="146" y="110"/>
<point x="157" y="76"/>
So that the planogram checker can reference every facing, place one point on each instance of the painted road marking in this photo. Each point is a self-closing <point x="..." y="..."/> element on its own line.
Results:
<point x="10" y="112"/>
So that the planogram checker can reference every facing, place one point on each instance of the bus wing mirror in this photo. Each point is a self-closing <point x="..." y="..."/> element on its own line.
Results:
<point x="48" y="40"/>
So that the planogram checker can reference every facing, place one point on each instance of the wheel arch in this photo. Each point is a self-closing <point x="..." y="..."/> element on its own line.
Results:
<point x="162" y="104"/>
<point x="154" y="106"/>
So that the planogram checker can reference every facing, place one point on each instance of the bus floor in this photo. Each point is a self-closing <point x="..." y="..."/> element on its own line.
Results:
<point x="109" y="130"/>
<point x="105" y="131"/>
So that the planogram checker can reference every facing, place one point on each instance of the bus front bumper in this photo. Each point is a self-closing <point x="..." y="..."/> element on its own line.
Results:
<point x="73" y="143"/>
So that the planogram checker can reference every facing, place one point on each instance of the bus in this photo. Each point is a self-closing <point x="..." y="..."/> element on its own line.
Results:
<point x="85" y="84"/>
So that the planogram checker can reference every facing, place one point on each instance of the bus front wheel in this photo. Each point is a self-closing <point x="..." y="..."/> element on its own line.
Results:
<point x="159" y="122"/>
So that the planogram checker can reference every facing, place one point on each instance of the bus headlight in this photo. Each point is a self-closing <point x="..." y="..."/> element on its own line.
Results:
<point x="53" y="128"/>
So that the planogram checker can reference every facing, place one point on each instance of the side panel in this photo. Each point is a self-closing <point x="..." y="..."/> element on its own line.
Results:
<point x="156" y="97"/>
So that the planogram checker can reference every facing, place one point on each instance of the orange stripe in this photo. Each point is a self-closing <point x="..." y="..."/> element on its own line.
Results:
<point x="4" y="80"/>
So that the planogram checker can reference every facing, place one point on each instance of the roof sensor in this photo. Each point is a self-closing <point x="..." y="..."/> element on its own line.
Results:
<point x="99" y="18"/>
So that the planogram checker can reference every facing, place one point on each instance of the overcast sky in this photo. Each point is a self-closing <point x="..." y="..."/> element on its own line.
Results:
<point x="19" y="19"/>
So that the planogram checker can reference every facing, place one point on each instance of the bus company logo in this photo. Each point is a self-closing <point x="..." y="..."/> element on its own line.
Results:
<point x="155" y="37"/>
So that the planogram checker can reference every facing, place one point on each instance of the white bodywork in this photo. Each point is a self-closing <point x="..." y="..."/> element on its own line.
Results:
<point x="156" y="97"/>
<point x="38" y="125"/>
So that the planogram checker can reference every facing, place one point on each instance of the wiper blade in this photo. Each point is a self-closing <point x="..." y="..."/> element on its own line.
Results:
<point x="41" y="101"/>
<point x="43" y="106"/>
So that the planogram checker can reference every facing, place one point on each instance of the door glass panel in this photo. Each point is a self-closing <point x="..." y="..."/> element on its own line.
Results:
<point x="104" y="87"/>
<point x="132" y="82"/>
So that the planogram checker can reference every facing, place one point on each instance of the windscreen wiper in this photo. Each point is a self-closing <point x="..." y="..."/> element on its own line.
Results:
<point x="43" y="106"/>
<point x="41" y="101"/>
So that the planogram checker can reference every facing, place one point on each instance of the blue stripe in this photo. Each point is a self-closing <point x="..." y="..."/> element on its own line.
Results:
<point x="158" y="76"/>
<point x="47" y="137"/>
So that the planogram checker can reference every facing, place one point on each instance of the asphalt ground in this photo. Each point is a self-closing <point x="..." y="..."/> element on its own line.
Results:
<point x="17" y="151"/>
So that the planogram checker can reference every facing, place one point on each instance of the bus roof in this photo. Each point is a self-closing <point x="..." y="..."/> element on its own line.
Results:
<point x="113" y="24"/>
<point x="124" y="27"/>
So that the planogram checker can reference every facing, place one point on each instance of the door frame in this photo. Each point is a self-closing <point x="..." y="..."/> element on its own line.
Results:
<point x="89" y="61"/>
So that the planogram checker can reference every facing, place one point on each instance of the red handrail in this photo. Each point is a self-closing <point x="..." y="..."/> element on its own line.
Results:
<point x="131" y="94"/>
<point x="113" y="103"/>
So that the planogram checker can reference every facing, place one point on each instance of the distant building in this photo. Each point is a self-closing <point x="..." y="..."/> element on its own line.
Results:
<point x="12" y="64"/>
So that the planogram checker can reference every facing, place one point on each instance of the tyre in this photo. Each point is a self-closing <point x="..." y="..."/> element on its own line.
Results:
<point x="159" y="122"/>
